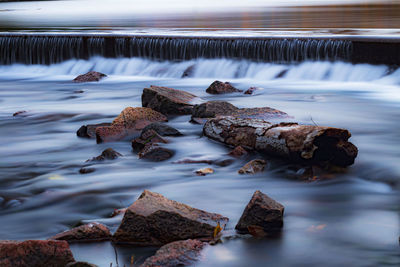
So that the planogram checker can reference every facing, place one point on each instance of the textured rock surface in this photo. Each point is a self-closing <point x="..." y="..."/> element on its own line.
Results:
<point x="162" y="129"/>
<point x="91" y="76"/>
<point x="89" y="130"/>
<point x="130" y="121"/>
<point x="85" y="233"/>
<point x="108" y="153"/>
<point x="306" y="143"/>
<point x="167" y="100"/>
<point x="238" y="152"/>
<point x="218" y="87"/>
<point x="178" y="253"/>
<point x="154" y="152"/>
<point x="147" y="138"/>
<point x="252" y="167"/>
<point x="35" y="253"/>
<point x="154" y="220"/>
<point x="262" y="214"/>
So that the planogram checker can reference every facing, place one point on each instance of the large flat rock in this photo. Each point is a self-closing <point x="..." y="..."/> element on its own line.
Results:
<point x="154" y="220"/>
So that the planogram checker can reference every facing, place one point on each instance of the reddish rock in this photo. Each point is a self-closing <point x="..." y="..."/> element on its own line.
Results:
<point x="130" y="121"/>
<point x="251" y="90"/>
<point x="18" y="113"/>
<point x="108" y="153"/>
<point x="178" y="253"/>
<point x="91" y="76"/>
<point x="30" y="253"/>
<point x="89" y="131"/>
<point x="154" y="152"/>
<point x="238" y="152"/>
<point x="154" y="220"/>
<point x="218" y="87"/>
<point x="167" y="100"/>
<point x="146" y="138"/>
<point x="253" y="167"/>
<point x="85" y="233"/>
<point x="262" y="214"/>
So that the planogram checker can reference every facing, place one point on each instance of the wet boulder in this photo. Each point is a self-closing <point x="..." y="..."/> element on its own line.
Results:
<point x="154" y="152"/>
<point x="253" y="167"/>
<point x="89" y="131"/>
<point x="85" y="233"/>
<point x="29" y="253"/>
<point x="108" y="153"/>
<point x="238" y="152"/>
<point x="147" y="137"/>
<point x="162" y="129"/>
<point x="178" y="253"/>
<point x="218" y="87"/>
<point x="154" y="220"/>
<point x="299" y="143"/>
<point x="167" y="100"/>
<point x="262" y="216"/>
<point x="130" y="121"/>
<point x="91" y="76"/>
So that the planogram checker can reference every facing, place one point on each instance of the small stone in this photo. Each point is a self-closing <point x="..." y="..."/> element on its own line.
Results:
<point x="162" y="129"/>
<point x="85" y="233"/>
<point x="154" y="152"/>
<point x="238" y="152"/>
<point x="147" y="138"/>
<point x="19" y="113"/>
<point x="108" y="153"/>
<point x="188" y="72"/>
<point x="91" y="76"/>
<point x="253" y="167"/>
<point x="35" y="253"/>
<point x="204" y="171"/>
<point x="178" y="253"/>
<point x="89" y="131"/>
<point x="218" y="87"/>
<point x="262" y="216"/>
<point x="154" y="220"/>
<point x="251" y="90"/>
<point x="86" y="170"/>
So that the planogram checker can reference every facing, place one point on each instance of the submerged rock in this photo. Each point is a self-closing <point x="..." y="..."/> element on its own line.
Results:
<point x="167" y="100"/>
<point x="178" y="253"/>
<point x="305" y="143"/>
<point x="108" y="153"/>
<point x="204" y="171"/>
<point x="253" y="167"/>
<point x="18" y="113"/>
<point x="251" y="90"/>
<point x="262" y="216"/>
<point x="86" y="170"/>
<point x="91" y="76"/>
<point x="188" y="72"/>
<point x="89" y="131"/>
<point x="30" y="253"/>
<point x="130" y="121"/>
<point x="218" y="87"/>
<point x="154" y="152"/>
<point x="238" y="152"/>
<point x="154" y="220"/>
<point x="85" y="233"/>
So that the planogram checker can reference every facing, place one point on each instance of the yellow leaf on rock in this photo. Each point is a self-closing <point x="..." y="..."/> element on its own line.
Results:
<point x="217" y="230"/>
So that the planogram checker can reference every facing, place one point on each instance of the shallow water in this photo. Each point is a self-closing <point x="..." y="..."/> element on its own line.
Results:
<point x="351" y="218"/>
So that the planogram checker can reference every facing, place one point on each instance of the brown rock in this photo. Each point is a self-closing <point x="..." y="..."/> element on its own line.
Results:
<point x="218" y="87"/>
<point x="238" y="152"/>
<point x="108" y="153"/>
<point x="253" y="167"/>
<point x="162" y="129"/>
<point x="130" y="121"/>
<point x="80" y="264"/>
<point x="89" y="130"/>
<point x="262" y="214"/>
<point x="31" y="253"/>
<point x="178" y="253"/>
<point x="168" y="100"/>
<point x="154" y="152"/>
<point x="154" y="220"/>
<point x="251" y="90"/>
<point x="85" y="233"/>
<point x="91" y="76"/>
<point x="204" y="171"/>
<point x="18" y="113"/>
<point x="146" y="138"/>
<point x="304" y="143"/>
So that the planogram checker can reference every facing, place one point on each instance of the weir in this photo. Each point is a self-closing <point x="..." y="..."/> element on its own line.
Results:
<point x="54" y="48"/>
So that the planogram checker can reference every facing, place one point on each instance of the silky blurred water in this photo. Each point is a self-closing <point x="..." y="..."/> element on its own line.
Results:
<point x="351" y="218"/>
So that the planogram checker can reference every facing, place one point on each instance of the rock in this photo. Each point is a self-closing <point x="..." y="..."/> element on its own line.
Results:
<point x="89" y="131"/>
<point x="178" y="253"/>
<point x="18" y="113"/>
<point x="86" y="170"/>
<point x="85" y="233"/>
<point x="251" y="90"/>
<point x="212" y="109"/>
<point x="218" y="87"/>
<point x="147" y="138"/>
<point x="188" y="72"/>
<point x="262" y="214"/>
<point x="80" y="264"/>
<point x="49" y="253"/>
<point x="162" y="129"/>
<point x="167" y="100"/>
<point x="154" y="152"/>
<point x="91" y="76"/>
<point x="238" y="152"/>
<point x="219" y="162"/>
<point x="154" y="220"/>
<point x="204" y="171"/>
<point x="299" y="143"/>
<point x="108" y="153"/>
<point x="130" y="121"/>
<point x="253" y="167"/>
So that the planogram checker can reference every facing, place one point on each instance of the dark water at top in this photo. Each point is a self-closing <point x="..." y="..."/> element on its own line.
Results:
<point x="349" y="219"/>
